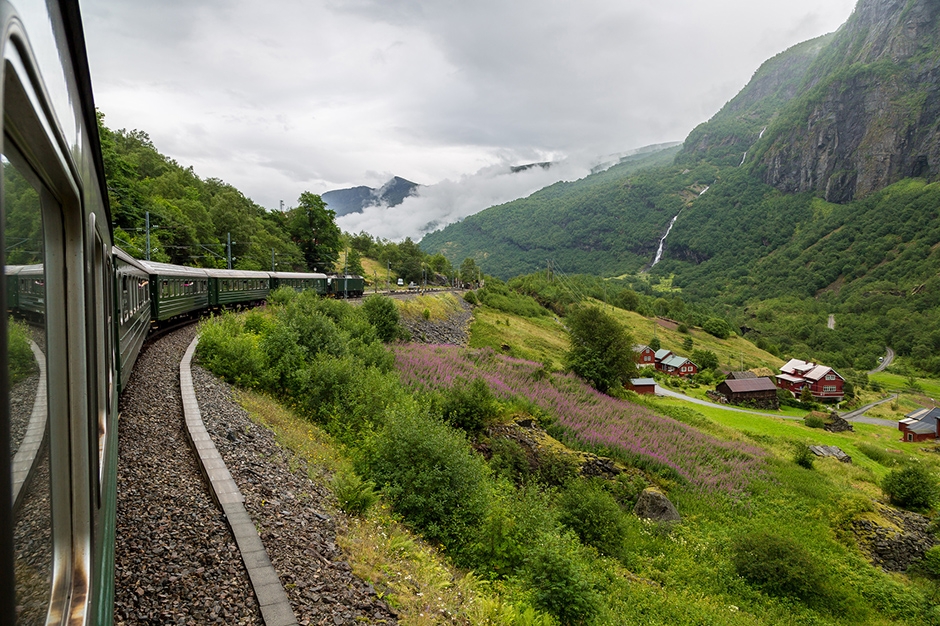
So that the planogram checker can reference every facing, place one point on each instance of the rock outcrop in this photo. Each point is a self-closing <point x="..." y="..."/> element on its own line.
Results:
<point x="654" y="505"/>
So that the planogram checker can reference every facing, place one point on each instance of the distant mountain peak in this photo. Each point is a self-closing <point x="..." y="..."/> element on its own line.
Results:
<point x="356" y="199"/>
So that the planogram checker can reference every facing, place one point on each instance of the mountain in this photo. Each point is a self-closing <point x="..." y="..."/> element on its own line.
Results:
<point x="355" y="199"/>
<point x="844" y="115"/>
<point x="814" y="191"/>
<point x="582" y="224"/>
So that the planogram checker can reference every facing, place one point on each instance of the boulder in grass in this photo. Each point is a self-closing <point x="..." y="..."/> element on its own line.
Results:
<point x="653" y="504"/>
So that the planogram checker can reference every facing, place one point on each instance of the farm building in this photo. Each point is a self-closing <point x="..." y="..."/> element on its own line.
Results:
<point x="645" y="355"/>
<point x="758" y="392"/>
<point x="824" y="383"/>
<point x="920" y="425"/>
<point x="643" y="386"/>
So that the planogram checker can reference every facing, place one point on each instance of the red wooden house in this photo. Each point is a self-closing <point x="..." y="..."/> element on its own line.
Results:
<point x="824" y="383"/>
<point x="921" y="425"/>
<point x="645" y="356"/>
<point x="677" y="366"/>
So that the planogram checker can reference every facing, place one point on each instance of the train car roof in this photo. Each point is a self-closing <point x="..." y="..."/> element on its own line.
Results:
<point x="168" y="269"/>
<point x="345" y="276"/>
<point x="215" y="273"/>
<point x="297" y="275"/>
<point x="13" y="270"/>
<point x="128" y="258"/>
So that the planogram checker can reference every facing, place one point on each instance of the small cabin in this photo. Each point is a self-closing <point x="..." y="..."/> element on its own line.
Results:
<point x="920" y="425"/>
<point x="643" y="386"/>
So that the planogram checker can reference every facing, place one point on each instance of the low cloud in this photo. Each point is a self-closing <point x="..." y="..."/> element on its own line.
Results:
<point x="449" y="201"/>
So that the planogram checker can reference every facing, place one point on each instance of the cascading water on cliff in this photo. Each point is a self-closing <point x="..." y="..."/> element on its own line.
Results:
<point x="659" y="253"/>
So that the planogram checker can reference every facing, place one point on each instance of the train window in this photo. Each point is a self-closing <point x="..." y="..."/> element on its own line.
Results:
<point x="26" y="395"/>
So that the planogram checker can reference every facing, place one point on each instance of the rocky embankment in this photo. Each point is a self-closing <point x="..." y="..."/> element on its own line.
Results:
<point x="454" y="331"/>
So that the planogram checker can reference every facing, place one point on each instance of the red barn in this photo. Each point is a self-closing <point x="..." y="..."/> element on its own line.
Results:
<point x="678" y="366"/>
<point x="921" y="425"/>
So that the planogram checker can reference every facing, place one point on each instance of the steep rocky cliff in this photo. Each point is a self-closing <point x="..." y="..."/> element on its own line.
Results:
<point x="843" y="115"/>
<point x="870" y="107"/>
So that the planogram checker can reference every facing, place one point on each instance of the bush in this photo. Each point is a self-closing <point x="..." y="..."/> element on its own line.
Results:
<point x="470" y="298"/>
<point x="429" y="473"/>
<point x="355" y="495"/>
<point x="594" y="516"/>
<point x="814" y="421"/>
<point x="777" y="565"/>
<point x="509" y="460"/>
<point x="382" y="313"/>
<point x="560" y="574"/>
<point x="911" y="487"/>
<point x="705" y="359"/>
<point x="469" y="405"/>
<point x="228" y="351"/>
<point x="20" y="357"/>
<point x="803" y="456"/>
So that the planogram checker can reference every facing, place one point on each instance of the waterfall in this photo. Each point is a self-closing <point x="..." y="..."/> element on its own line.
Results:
<point x="659" y="253"/>
<point x="742" y="159"/>
<point x="700" y="193"/>
<point x="762" y="132"/>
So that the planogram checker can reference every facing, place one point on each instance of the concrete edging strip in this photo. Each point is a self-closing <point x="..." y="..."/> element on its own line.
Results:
<point x="275" y="606"/>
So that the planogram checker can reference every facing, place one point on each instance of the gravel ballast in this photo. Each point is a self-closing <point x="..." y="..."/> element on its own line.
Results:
<point x="176" y="561"/>
<point x="296" y="516"/>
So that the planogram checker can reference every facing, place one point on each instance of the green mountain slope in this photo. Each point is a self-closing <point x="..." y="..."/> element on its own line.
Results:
<point x="811" y="207"/>
<point x="589" y="225"/>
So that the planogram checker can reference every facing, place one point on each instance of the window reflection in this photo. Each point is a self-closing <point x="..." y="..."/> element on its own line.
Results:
<point x="29" y="455"/>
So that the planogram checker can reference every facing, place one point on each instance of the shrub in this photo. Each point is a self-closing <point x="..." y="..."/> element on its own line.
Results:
<point x="20" y="357"/>
<point x="559" y="572"/>
<point x="509" y="460"/>
<point x="930" y="564"/>
<point x="777" y="565"/>
<point x="594" y="516"/>
<point x="814" y="421"/>
<point x="429" y="473"/>
<point x="803" y="456"/>
<point x="470" y="298"/>
<point x="229" y="352"/>
<point x="911" y="487"/>
<point x="355" y="495"/>
<point x="382" y="313"/>
<point x="555" y="468"/>
<point x="469" y="405"/>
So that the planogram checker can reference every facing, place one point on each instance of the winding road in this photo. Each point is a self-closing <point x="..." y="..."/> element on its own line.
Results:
<point x="852" y="416"/>
<point x="889" y="356"/>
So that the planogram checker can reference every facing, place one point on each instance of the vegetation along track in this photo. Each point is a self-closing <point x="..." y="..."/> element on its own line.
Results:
<point x="177" y="561"/>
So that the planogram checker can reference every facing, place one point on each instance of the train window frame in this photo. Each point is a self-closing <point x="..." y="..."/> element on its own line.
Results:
<point x="32" y="136"/>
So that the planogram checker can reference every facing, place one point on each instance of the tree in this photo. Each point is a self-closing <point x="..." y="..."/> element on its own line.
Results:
<point x="655" y="344"/>
<point x="705" y="359"/>
<point x="601" y="349"/>
<point x="468" y="270"/>
<point x="313" y="228"/>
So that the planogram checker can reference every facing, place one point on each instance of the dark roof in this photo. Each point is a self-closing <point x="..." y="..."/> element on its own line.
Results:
<point x="741" y="375"/>
<point x="750" y="384"/>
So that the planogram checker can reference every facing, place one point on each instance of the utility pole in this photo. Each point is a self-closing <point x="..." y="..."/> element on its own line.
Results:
<point x="229" y="250"/>
<point x="148" y="235"/>
<point x="388" y="276"/>
<point x="272" y="258"/>
<point x="346" y="274"/>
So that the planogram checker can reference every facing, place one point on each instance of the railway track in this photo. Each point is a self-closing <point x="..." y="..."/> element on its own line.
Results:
<point x="178" y="561"/>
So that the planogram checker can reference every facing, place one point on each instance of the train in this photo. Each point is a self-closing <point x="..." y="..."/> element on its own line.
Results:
<point x="89" y="307"/>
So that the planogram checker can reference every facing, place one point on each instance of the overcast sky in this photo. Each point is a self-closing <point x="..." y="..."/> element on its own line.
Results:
<point x="285" y="96"/>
